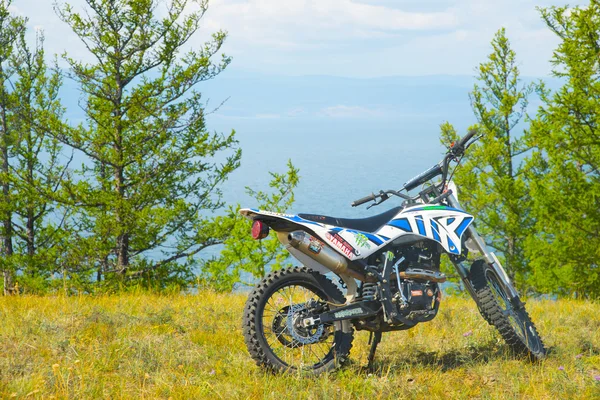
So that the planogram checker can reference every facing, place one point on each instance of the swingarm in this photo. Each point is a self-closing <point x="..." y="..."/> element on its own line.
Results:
<point x="361" y="309"/>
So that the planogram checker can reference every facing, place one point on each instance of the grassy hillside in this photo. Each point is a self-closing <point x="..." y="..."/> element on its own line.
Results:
<point x="148" y="346"/>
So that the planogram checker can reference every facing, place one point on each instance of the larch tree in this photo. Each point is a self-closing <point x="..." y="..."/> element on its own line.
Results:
<point x="37" y="164"/>
<point x="32" y="164"/>
<point x="492" y="180"/>
<point x="566" y="133"/>
<point x="154" y="169"/>
<point x="10" y="28"/>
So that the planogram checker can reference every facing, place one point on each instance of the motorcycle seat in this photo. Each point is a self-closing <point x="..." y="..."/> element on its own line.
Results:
<point x="370" y="224"/>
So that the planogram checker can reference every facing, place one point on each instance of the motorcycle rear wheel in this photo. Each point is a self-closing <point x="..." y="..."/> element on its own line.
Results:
<point x="273" y="336"/>
<point x="513" y="323"/>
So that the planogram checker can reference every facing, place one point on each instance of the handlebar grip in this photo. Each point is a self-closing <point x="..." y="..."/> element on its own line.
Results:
<point x="466" y="138"/>
<point x="363" y="200"/>
<point x="424" y="177"/>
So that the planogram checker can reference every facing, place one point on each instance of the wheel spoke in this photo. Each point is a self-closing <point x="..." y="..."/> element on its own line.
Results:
<point x="292" y="343"/>
<point x="520" y="325"/>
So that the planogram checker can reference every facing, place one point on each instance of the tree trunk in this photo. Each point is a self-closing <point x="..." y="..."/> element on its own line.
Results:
<point x="7" y="248"/>
<point x="123" y="252"/>
<point x="30" y="224"/>
<point x="123" y="238"/>
<point x="8" y="281"/>
<point x="30" y="233"/>
<point x="103" y="266"/>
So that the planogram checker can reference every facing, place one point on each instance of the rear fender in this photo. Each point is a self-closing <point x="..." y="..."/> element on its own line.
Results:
<point x="282" y="224"/>
<point x="279" y="222"/>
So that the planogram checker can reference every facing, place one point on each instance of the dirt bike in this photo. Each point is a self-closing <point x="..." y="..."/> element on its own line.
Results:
<point x="389" y="267"/>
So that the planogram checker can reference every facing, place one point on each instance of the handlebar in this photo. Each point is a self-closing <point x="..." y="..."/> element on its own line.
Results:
<point x="454" y="153"/>
<point x="424" y="177"/>
<point x="466" y="138"/>
<point x="363" y="200"/>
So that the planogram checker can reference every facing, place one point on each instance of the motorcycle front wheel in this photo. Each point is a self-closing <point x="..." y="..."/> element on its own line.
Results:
<point x="274" y="334"/>
<point x="512" y="322"/>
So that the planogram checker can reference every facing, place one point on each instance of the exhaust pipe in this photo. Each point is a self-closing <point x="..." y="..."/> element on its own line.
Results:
<point x="322" y="253"/>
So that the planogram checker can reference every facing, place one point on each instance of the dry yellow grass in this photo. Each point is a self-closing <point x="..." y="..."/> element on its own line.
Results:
<point x="151" y="346"/>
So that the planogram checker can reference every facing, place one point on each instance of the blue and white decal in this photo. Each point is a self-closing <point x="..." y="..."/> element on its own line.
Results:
<point x="445" y="225"/>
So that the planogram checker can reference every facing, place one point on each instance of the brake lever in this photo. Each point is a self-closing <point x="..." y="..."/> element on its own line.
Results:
<point x="383" y="196"/>
<point x="457" y="152"/>
<point x="473" y="141"/>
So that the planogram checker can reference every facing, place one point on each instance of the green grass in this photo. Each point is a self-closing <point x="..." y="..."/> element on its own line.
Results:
<point x="150" y="346"/>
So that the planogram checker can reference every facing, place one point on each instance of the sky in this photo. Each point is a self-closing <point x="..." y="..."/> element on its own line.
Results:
<point x="351" y="38"/>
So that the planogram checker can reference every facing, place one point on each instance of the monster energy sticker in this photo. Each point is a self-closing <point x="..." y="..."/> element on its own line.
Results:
<point x="362" y="240"/>
<point x="389" y="255"/>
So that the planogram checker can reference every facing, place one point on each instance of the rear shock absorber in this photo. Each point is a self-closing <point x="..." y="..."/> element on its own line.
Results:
<point x="369" y="290"/>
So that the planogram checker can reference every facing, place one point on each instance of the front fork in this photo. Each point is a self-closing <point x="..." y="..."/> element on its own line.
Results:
<point x="489" y="257"/>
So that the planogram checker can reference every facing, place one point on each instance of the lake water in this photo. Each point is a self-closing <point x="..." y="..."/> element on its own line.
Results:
<point x="348" y="137"/>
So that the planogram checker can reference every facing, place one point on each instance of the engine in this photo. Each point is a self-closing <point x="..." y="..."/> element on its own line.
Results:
<point x="414" y="285"/>
<point x="423" y="256"/>
<point x="416" y="297"/>
<point x="415" y="289"/>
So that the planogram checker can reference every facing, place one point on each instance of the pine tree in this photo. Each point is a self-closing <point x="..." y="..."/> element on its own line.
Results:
<point x="10" y="27"/>
<point x="31" y="162"/>
<point x="491" y="179"/>
<point x="37" y="164"/>
<point x="153" y="177"/>
<point x="566" y="249"/>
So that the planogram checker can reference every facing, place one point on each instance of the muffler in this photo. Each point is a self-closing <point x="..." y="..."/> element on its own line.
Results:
<point x="322" y="253"/>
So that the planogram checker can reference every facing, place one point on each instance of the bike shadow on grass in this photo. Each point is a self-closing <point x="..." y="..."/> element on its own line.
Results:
<point x="445" y="360"/>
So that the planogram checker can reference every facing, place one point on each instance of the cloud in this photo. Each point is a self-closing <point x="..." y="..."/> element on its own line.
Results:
<point x="267" y="116"/>
<point x="343" y="111"/>
<point x="347" y="12"/>
<point x="361" y="38"/>
<point x="338" y="111"/>
<point x="295" y="112"/>
<point x="377" y="37"/>
<point x="302" y="23"/>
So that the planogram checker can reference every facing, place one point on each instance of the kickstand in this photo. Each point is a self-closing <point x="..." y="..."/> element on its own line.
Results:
<point x="374" y="340"/>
